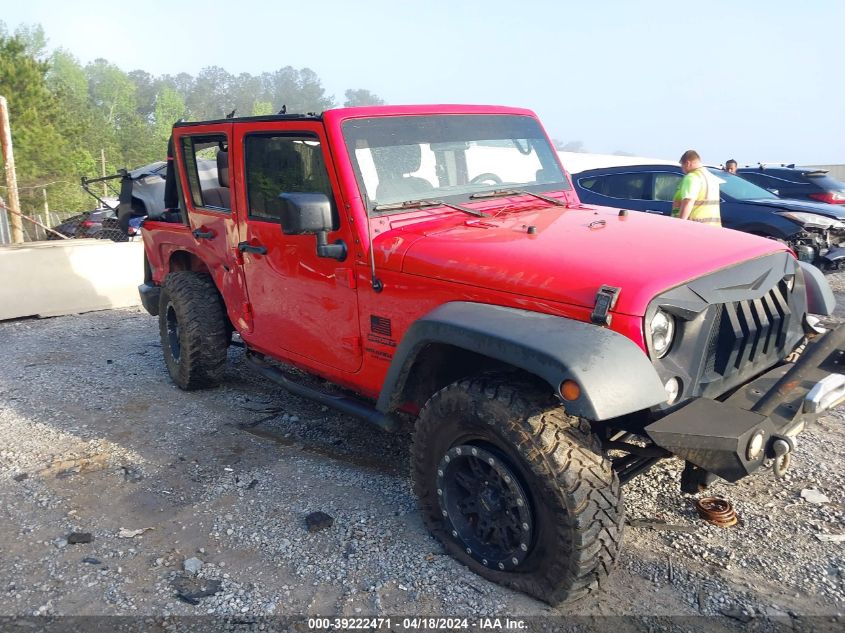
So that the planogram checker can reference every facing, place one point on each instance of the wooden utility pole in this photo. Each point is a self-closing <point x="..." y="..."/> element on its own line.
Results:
<point x="11" y="178"/>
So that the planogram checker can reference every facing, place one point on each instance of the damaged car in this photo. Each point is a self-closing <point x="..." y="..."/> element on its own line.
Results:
<point x="813" y="230"/>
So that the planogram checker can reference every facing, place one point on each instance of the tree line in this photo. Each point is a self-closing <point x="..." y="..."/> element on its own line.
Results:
<point x="66" y="115"/>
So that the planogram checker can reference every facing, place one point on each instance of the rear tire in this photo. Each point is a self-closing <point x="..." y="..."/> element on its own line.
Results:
<point x="516" y="489"/>
<point x="192" y="327"/>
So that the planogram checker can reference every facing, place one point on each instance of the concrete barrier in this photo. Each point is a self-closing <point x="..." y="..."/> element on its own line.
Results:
<point x="68" y="277"/>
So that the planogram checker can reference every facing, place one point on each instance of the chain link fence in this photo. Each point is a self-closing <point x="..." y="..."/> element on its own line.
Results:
<point x="100" y="224"/>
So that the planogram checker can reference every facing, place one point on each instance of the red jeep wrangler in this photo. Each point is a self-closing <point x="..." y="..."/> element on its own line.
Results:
<point x="435" y="261"/>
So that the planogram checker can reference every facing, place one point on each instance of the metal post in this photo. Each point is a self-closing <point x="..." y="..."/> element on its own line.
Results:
<point x="103" y="168"/>
<point x="11" y="177"/>
<point x="5" y="237"/>
<point x="46" y="210"/>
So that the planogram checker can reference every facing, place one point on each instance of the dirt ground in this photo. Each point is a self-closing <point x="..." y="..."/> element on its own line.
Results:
<point x="97" y="441"/>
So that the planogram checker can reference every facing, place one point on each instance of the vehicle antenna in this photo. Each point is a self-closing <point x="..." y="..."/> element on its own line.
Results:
<point x="378" y="286"/>
<point x="231" y="115"/>
<point x="284" y="109"/>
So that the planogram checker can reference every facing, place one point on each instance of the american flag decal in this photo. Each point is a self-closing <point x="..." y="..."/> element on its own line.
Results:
<point x="380" y="325"/>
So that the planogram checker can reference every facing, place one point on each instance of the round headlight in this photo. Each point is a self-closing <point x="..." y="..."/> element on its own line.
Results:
<point x="673" y="390"/>
<point x="662" y="330"/>
<point x="755" y="445"/>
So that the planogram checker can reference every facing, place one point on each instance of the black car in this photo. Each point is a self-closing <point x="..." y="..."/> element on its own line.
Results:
<point x="813" y="230"/>
<point x="801" y="183"/>
<point x="87" y="224"/>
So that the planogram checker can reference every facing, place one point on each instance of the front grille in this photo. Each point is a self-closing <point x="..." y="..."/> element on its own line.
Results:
<point x="747" y="331"/>
<point x="732" y="325"/>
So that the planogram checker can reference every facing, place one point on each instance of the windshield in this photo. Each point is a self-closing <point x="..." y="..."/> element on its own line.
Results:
<point x="739" y="188"/>
<point x="398" y="159"/>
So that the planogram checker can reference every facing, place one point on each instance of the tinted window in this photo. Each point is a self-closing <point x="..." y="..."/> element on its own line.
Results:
<point x="282" y="164"/>
<point x="625" y="186"/>
<point x="665" y="186"/>
<point x="824" y="181"/>
<point x="207" y="168"/>
<point x="593" y="184"/>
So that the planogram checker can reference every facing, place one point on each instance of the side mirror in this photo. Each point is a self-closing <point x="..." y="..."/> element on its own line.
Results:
<point x="311" y="213"/>
<point x="304" y="213"/>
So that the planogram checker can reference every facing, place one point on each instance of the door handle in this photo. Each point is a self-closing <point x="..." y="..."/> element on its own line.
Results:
<point x="202" y="235"/>
<point x="246" y="247"/>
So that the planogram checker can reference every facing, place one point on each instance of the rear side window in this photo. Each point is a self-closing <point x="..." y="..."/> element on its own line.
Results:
<point x="591" y="183"/>
<point x="824" y="181"/>
<point x="206" y="161"/>
<point x="624" y="186"/>
<point x="277" y="164"/>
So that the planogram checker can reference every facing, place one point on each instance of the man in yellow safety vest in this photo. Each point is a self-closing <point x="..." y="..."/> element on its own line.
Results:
<point x="697" y="197"/>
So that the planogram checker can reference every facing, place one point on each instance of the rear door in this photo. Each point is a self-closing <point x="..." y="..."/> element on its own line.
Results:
<point x="304" y="307"/>
<point x="626" y="190"/>
<point x="203" y="154"/>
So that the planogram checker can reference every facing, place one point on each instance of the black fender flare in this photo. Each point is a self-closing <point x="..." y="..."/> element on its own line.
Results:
<point x="616" y="377"/>
<point x="820" y="298"/>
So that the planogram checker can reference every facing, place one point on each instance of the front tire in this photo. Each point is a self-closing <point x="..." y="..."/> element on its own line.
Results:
<point x="515" y="489"/>
<point x="192" y="327"/>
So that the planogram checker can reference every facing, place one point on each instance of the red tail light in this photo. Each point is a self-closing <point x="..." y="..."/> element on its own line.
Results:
<point x="86" y="224"/>
<point x="831" y="197"/>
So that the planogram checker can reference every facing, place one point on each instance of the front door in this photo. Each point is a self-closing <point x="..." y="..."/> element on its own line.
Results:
<point x="304" y="307"/>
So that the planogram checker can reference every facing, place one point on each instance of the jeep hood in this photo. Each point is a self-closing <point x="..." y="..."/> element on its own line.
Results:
<point x="569" y="253"/>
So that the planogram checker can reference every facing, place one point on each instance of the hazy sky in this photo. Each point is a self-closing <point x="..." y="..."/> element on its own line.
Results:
<point x="757" y="80"/>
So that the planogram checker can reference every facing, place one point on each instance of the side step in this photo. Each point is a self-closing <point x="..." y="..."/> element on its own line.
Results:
<point x="349" y="406"/>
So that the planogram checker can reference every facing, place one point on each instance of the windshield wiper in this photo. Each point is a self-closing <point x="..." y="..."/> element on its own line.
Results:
<point x="419" y="204"/>
<point x="513" y="192"/>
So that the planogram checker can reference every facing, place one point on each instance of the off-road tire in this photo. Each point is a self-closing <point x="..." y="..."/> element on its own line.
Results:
<point x="574" y="493"/>
<point x="195" y="349"/>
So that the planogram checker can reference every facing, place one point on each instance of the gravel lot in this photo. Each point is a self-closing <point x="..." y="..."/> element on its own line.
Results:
<point x="97" y="440"/>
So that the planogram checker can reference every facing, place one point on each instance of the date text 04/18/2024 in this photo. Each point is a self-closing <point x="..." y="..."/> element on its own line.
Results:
<point x="414" y="623"/>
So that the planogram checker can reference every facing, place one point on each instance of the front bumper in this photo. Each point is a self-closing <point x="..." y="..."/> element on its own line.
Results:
<point x="723" y="436"/>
